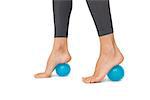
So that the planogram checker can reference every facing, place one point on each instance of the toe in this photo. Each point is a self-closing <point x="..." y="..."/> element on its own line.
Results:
<point x="87" y="79"/>
<point x="41" y="75"/>
<point x="97" y="79"/>
<point x="36" y="75"/>
<point x="94" y="80"/>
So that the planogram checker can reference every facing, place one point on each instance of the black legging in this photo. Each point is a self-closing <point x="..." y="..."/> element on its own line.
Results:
<point x="99" y="9"/>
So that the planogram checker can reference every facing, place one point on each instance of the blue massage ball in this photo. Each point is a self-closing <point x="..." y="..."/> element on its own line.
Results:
<point x="63" y="69"/>
<point x="116" y="73"/>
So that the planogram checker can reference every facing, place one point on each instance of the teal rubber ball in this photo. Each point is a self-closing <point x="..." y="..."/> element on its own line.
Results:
<point x="116" y="73"/>
<point x="63" y="69"/>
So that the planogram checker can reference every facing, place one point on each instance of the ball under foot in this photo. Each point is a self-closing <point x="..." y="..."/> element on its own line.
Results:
<point x="116" y="73"/>
<point x="63" y="69"/>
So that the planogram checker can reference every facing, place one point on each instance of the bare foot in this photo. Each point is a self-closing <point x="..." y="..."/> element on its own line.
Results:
<point x="107" y="59"/>
<point x="58" y="55"/>
<point x="55" y="58"/>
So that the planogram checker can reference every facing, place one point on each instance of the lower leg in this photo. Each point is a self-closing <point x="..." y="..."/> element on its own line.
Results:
<point x="110" y="56"/>
<point x="100" y="11"/>
<point x="58" y="55"/>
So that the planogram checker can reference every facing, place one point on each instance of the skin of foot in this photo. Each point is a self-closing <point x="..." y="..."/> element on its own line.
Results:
<point x="59" y="54"/>
<point x="110" y="56"/>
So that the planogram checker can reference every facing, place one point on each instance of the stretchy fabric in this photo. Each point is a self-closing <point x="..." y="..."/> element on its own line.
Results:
<point x="100" y="11"/>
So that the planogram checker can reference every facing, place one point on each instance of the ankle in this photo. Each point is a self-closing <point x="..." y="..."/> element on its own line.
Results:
<point x="112" y="52"/>
<point x="107" y="50"/>
<point x="60" y="44"/>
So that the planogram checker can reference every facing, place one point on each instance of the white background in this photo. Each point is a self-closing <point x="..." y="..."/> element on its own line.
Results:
<point x="26" y="38"/>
